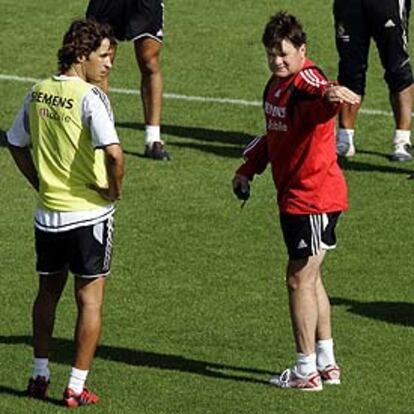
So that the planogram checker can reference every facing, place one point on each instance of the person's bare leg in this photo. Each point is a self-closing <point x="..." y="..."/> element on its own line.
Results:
<point x="325" y="356"/>
<point x="89" y="295"/>
<point x="44" y="310"/>
<point x="348" y="116"/>
<point x="301" y="279"/>
<point x="89" y="298"/>
<point x="302" y="276"/>
<point x="324" y="328"/>
<point x="401" y="103"/>
<point x="147" y="53"/>
<point x="346" y="130"/>
<point x="43" y="320"/>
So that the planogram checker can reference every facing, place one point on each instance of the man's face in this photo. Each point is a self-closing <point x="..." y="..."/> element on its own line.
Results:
<point x="286" y="60"/>
<point x="99" y="63"/>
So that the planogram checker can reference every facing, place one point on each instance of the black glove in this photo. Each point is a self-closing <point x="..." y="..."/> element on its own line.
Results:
<point x="241" y="195"/>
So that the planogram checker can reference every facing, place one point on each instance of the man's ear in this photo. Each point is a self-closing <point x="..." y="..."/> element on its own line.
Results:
<point x="303" y="49"/>
<point x="80" y="59"/>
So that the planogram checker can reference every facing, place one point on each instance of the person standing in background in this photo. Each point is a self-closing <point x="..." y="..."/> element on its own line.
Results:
<point x="386" y="21"/>
<point x="141" y="22"/>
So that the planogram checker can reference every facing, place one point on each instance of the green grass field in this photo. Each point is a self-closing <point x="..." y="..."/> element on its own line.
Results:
<point x="196" y="315"/>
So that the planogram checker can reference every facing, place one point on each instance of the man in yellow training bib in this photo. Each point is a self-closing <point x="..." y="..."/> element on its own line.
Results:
<point x="76" y="166"/>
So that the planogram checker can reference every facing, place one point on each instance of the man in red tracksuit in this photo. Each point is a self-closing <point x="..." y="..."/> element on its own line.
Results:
<point x="300" y="105"/>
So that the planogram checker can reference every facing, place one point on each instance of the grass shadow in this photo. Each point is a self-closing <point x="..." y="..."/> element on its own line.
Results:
<point x="375" y="153"/>
<point x="397" y="313"/>
<point x="222" y="151"/>
<point x="353" y="165"/>
<point x="62" y="352"/>
<point x="4" y="389"/>
<point x="3" y="142"/>
<point x="11" y="391"/>
<point x="236" y="140"/>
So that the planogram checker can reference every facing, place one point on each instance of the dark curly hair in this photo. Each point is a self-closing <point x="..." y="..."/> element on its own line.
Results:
<point x="283" y="26"/>
<point x="83" y="37"/>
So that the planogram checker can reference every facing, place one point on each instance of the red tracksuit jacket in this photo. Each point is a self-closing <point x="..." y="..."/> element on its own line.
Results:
<point x="299" y="144"/>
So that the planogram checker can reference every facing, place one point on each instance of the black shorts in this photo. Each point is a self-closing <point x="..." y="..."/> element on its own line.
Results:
<point x="386" y="21"/>
<point x="130" y="19"/>
<point x="85" y="251"/>
<point x="307" y="234"/>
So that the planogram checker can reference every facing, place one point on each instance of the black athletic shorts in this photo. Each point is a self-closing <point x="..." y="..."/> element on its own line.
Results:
<point x="306" y="234"/>
<point x="85" y="251"/>
<point x="386" y="21"/>
<point x="130" y="19"/>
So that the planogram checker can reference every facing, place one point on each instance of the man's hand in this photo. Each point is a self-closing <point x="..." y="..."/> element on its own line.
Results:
<point x="241" y="187"/>
<point x="341" y="94"/>
<point x="104" y="192"/>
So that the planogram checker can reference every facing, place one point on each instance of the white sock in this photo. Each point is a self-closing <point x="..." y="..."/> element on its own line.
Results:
<point x="77" y="380"/>
<point x="152" y="134"/>
<point x="402" y="137"/>
<point x="305" y="364"/>
<point x="41" y="368"/>
<point x="325" y="353"/>
<point x="345" y="135"/>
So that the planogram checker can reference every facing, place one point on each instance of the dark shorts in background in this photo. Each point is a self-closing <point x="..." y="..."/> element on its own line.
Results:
<point x="130" y="19"/>
<point x="85" y="251"/>
<point x="386" y="21"/>
<point x="307" y="234"/>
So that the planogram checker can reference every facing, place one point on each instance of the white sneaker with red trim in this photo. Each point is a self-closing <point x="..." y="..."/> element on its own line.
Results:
<point x="290" y="378"/>
<point x="331" y="374"/>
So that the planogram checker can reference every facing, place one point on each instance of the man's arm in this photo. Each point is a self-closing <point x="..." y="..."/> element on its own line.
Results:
<point x="114" y="163"/>
<point x="97" y="116"/>
<point x="24" y="161"/>
<point x="333" y="98"/>
<point x="325" y="97"/>
<point x="256" y="159"/>
<point x="18" y="141"/>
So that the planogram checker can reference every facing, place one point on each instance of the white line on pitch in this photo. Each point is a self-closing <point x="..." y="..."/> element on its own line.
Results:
<point x="190" y="98"/>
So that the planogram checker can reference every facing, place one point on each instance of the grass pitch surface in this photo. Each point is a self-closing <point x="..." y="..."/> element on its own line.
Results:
<point x="196" y="316"/>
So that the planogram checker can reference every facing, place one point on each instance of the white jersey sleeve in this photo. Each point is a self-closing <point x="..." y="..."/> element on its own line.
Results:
<point x="97" y="115"/>
<point x="19" y="134"/>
